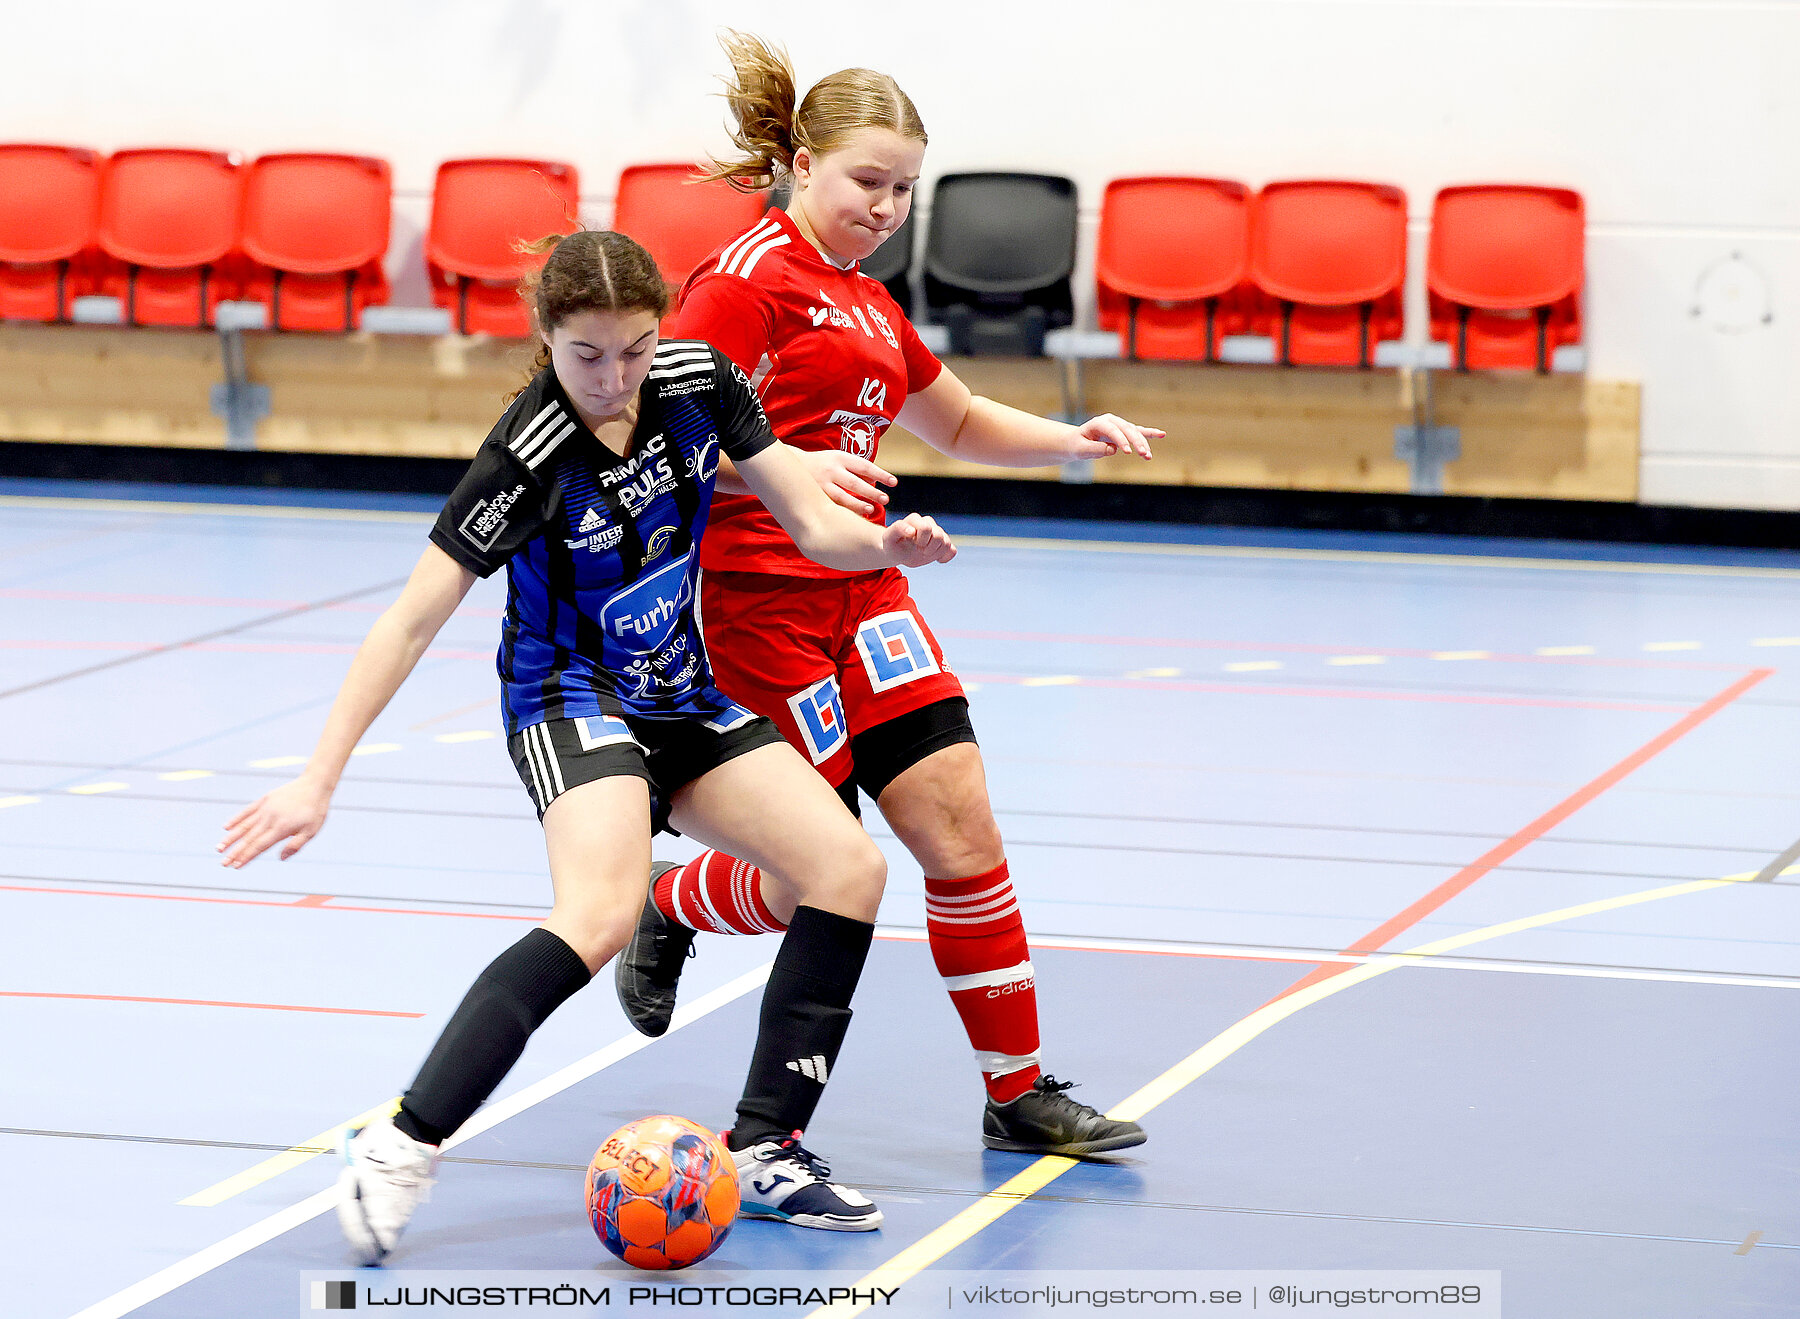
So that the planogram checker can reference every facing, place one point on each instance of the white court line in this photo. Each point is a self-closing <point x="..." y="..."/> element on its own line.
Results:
<point x="1320" y="957"/>
<point x="224" y="510"/>
<point x="164" y="1281"/>
<point x="1371" y="556"/>
<point x="995" y="542"/>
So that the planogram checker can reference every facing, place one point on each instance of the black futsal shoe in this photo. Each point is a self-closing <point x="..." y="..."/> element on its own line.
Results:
<point x="1044" y="1120"/>
<point x="649" y="967"/>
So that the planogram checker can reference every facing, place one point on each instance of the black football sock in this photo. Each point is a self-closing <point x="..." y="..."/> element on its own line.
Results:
<point x="805" y="1012"/>
<point x="485" y="1037"/>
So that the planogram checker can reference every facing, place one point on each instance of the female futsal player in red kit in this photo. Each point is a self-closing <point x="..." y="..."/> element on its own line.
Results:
<point x="843" y="662"/>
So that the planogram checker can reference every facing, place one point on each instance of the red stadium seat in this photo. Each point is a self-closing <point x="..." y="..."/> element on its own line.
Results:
<point x="1505" y="273"/>
<point x="169" y="223"/>
<point x="317" y="228"/>
<point x="678" y="220"/>
<point x="1330" y="259"/>
<point x="480" y="211"/>
<point x="1172" y="263"/>
<point x="49" y="209"/>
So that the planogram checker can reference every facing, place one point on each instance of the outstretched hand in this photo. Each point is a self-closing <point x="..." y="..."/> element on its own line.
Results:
<point x="915" y="541"/>
<point x="1106" y="435"/>
<point x="852" y="482"/>
<point x="294" y="812"/>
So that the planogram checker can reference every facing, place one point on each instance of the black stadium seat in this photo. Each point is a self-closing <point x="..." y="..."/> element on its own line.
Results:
<point x="998" y="259"/>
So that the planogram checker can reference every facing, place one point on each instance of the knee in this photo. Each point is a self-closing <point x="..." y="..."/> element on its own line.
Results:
<point x="847" y="877"/>
<point x="596" y="935"/>
<point x="960" y="837"/>
<point x="970" y="829"/>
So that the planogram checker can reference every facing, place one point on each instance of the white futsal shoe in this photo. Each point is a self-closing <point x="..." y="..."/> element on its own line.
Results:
<point x="388" y="1174"/>
<point x="778" y="1179"/>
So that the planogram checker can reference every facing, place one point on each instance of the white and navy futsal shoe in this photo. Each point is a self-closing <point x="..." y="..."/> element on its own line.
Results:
<point x="387" y="1175"/>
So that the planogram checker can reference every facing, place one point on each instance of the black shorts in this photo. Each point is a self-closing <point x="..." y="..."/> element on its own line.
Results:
<point x="560" y="754"/>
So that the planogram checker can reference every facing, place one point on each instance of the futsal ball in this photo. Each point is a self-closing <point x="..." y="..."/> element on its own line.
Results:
<point x="662" y="1193"/>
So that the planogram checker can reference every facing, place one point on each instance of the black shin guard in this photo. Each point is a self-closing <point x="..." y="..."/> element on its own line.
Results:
<point x="805" y="1012"/>
<point x="485" y="1037"/>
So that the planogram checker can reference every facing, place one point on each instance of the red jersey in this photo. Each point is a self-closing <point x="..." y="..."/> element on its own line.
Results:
<point x="830" y="353"/>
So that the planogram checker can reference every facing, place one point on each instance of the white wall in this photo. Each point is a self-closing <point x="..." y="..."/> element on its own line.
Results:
<point x="1680" y="123"/>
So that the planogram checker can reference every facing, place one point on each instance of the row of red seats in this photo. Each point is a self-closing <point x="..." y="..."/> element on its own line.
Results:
<point x="1320" y="267"/>
<point x="172" y="232"/>
<point x="479" y="209"/>
<point x="1182" y="263"/>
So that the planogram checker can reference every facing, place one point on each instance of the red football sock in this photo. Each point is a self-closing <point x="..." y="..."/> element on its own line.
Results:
<point x="718" y="894"/>
<point x="978" y="942"/>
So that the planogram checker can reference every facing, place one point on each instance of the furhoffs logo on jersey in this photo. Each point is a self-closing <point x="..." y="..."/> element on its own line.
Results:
<point x="645" y="614"/>
<point x="484" y="523"/>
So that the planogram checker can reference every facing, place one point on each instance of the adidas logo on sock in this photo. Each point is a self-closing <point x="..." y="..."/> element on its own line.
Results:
<point x="589" y="522"/>
<point x="813" y="1067"/>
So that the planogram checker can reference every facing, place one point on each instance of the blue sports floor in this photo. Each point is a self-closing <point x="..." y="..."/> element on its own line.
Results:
<point x="1240" y="774"/>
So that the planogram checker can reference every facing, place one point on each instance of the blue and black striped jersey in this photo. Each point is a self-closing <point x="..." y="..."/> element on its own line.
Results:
<point x="601" y="551"/>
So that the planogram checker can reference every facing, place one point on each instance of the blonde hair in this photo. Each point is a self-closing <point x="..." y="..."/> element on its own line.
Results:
<point x="768" y="129"/>
<point x="589" y="270"/>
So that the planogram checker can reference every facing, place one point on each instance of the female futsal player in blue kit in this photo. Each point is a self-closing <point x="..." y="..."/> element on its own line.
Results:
<point x="593" y="490"/>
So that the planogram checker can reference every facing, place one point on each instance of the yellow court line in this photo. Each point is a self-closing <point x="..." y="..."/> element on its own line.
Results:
<point x="934" y="1245"/>
<point x="276" y="1164"/>
<point x="493" y="1114"/>
<point x="995" y="542"/>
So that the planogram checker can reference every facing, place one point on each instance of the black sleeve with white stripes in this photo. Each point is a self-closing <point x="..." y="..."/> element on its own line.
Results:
<point x="496" y="508"/>
<point x="743" y="429"/>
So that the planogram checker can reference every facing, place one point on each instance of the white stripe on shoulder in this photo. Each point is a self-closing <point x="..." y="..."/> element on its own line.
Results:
<point x="524" y="437"/>
<point x="682" y="358"/>
<point x="754" y="234"/>
<point x="681" y="371"/>
<point x="757" y="253"/>
<point x="546" y="444"/>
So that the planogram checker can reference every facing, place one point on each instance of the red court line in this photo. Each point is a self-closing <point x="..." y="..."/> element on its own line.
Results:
<point x="211" y="1003"/>
<point x="1341" y="693"/>
<point x="324" y="902"/>
<point x="1292" y="958"/>
<point x="1299" y="648"/>
<point x="1503" y="852"/>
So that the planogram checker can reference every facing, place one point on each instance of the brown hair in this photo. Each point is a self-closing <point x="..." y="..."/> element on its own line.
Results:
<point x="590" y="270"/>
<point x="769" y="130"/>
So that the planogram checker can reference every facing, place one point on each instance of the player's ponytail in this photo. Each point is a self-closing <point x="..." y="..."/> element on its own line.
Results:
<point x="589" y="270"/>
<point x="768" y="128"/>
<point x="760" y="92"/>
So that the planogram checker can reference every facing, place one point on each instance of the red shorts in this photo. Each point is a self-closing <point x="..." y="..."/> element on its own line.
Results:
<point x="825" y="658"/>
